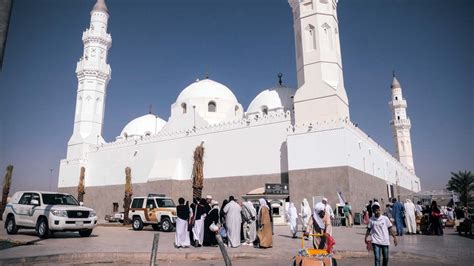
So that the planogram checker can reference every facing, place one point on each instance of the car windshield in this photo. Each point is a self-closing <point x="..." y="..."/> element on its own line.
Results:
<point x="59" y="199"/>
<point x="165" y="203"/>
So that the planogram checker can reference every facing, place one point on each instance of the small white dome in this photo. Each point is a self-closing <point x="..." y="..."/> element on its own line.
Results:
<point x="206" y="88"/>
<point x="279" y="97"/>
<point x="142" y="126"/>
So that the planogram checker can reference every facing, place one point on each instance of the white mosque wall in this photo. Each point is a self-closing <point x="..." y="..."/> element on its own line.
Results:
<point x="343" y="144"/>
<point x="239" y="148"/>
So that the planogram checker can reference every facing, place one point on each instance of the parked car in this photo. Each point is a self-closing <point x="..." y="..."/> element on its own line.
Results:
<point x="158" y="211"/>
<point x="115" y="217"/>
<point x="48" y="212"/>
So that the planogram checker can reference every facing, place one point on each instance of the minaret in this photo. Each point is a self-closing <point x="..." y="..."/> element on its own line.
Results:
<point x="93" y="75"/>
<point x="401" y="126"/>
<point x="321" y="95"/>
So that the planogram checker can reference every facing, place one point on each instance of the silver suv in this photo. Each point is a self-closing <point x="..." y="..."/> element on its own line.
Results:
<point x="48" y="212"/>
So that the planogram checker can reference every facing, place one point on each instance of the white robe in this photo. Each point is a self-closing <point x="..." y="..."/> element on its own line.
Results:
<point x="233" y="221"/>
<point x="292" y="216"/>
<point x="305" y="214"/>
<point x="410" y="216"/>
<point x="252" y="224"/>
<point x="198" y="230"/>
<point x="181" y="237"/>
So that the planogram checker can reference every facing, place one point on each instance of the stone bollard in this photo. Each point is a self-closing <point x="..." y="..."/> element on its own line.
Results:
<point x="223" y="250"/>
<point x="154" y="249"/>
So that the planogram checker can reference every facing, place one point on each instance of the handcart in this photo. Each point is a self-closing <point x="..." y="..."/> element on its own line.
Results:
<point x="312" y="256"/>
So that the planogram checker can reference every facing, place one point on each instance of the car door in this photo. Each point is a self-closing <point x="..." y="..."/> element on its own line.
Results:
<point x="31" y="210"/>
<point x="151" y="210"/>
<point x="21" y="209"/>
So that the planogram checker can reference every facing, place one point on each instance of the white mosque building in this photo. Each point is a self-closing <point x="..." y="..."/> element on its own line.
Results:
<point x="302" y="137"/>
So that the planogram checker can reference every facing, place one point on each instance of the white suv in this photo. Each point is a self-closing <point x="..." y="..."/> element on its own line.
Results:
<point x="48" y="212"/>
<point x="155" y="210"/>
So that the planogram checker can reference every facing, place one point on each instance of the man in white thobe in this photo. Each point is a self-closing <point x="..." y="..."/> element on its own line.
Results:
<point x="250" y="227"/>
<point x="410" y="218"/>
<point x="233" y="222"/>
<point x="324" y="204"/>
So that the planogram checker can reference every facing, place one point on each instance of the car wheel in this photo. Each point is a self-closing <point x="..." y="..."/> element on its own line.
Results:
<point x="155" y="227"/>
<point x="11" y="226"/>
<point x="85" y="233"/>
<point x="137" y="223"/>
<point x="42" y="228"/>
<point x="166" y="225"/>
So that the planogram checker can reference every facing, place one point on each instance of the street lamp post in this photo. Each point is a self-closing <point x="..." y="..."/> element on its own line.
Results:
<point x="50" y="176"/>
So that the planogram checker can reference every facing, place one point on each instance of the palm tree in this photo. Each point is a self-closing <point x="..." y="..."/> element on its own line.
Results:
<point x="128" y="195"/>
<point x="198" y="171"/>
<point x="7" y="181"/>
<point x="462" y="183"/>
<point x="81" y="187"/>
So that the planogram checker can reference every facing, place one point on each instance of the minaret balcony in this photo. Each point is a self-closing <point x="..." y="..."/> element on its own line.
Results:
<point x="404" y="122"/>
<point x="85" y="67"/>
<point x="93" y="36"/>
<point x="398" y="104"/>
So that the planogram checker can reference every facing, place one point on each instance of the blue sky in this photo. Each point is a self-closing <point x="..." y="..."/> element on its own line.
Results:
<point x="159" y="47"/>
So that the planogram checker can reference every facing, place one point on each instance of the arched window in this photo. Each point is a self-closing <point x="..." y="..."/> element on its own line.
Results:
<point x="211" y="107"/>
<point x="310" y="36"/>
<point x="183" y="105"/>
<point x="265" y="110"/>
<point x="236" y="109"/>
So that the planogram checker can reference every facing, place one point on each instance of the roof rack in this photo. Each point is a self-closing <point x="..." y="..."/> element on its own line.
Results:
<point x="156" y="195"/>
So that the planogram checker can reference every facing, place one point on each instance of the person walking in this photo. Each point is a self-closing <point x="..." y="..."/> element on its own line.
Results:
<point x="305" y="214"/>
<point x="397" y="214"/>
<point x="181" y="238"/>
<point x="410" y="219"/>
<point x="378" y="229"/>
<point x="347" y="209"/>
<point x="233" y="221"/>
<point x="264" y="233"/>
<point x="292" y="219"/>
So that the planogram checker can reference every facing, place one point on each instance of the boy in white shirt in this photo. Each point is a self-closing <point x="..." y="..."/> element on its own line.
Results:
<point x="378" y="229"/>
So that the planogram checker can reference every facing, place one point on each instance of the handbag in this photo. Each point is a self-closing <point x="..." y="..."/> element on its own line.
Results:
<point x="223" y="232"/>
<point x="213" y="227"/>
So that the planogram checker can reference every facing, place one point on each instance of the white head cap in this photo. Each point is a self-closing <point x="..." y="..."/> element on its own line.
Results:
<point x="325" y="199"/>
<point x="208" y="197"/>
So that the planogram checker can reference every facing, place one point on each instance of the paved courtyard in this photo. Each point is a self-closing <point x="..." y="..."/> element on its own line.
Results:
<point x="119" y="244"/>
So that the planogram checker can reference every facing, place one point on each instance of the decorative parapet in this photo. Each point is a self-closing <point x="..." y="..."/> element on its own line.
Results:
<point x="273" y="118"/>
<point x="316" y="126"/>
<point x="73" y="161"/>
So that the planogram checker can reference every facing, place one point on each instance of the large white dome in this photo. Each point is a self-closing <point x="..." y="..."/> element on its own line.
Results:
<point x="148" y="124"/>
<point x="206" y="88"/>
<point x="279" y="97"/>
